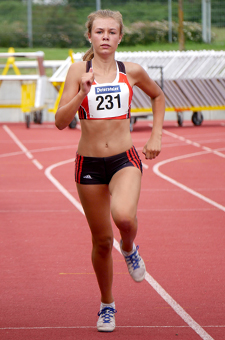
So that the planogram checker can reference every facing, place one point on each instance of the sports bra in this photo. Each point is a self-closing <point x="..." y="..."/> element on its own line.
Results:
<point x="108" y="100"/>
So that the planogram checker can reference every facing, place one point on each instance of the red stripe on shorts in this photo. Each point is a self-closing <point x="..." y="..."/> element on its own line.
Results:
<point x="137" y="158"/>
<point x="129" y="156"/>
<point x="79" y="162"/>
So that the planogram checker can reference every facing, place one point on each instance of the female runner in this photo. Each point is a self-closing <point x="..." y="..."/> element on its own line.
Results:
<point x="108" y="169"/>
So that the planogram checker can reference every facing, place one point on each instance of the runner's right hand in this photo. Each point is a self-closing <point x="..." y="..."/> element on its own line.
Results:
<point x="86" y="81"/>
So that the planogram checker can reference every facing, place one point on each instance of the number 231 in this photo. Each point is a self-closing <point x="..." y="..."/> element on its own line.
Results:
<point x="110" y="102"/>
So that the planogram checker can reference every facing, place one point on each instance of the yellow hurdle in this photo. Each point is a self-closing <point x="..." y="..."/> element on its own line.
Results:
<point x="27" y="96"/>
<point x="11" y="61"/>
<point x="59" y="86"/>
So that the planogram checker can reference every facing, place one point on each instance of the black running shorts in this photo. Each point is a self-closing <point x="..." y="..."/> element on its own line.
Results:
<point x="100" y="170"/>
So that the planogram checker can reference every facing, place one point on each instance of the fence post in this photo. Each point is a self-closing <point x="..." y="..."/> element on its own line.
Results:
<point x="29" y="22"/>
<point x="206" y="21"/>
<point x="98" y="5"/>
<point x="181" y="27"/>
<point x="170" y="38"/>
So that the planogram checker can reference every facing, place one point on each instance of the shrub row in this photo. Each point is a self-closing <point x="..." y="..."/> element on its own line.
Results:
<point x="142" y="33"/>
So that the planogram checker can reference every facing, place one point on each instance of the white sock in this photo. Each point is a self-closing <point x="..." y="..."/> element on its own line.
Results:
<point x="130" y="252"/>
<point x="103" y="305"/>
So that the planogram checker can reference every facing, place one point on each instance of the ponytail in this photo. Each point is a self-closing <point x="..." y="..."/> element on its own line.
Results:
<point x="89" y="54"/>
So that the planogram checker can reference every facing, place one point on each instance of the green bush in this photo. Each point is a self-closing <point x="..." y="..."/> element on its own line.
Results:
<point x="60" y="36"/>
<point x="131" y="37"/>
<point x="145" y="33"/>
<point x="63" y="26"/>
<point x="64" y="35"/>
<point x="193" y="32"/>
<point x="13" y="34"/>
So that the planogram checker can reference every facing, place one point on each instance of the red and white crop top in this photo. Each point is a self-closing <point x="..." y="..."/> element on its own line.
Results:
<point x="108" y="100"/>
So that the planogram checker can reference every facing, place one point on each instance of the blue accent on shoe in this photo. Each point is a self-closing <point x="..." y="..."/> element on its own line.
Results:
<point x="135" y="263"/>
<point x="133" y="259"/>
<point x="107" y="313"/>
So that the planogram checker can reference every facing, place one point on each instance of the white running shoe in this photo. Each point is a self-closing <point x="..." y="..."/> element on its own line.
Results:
<point x="135" y="264"/>
<point x="106" y="321"/>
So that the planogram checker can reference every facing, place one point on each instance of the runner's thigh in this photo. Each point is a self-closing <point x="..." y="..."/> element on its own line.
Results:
<point x="125" y="188"/>
<point x="95" y="200"/>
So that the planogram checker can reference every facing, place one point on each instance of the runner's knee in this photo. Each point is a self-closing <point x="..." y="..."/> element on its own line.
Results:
<point x="124" y="220"/>
<point x="103" y="246"/>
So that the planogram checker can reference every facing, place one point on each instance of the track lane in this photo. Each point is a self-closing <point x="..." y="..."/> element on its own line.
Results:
<point x="60" y="179"/>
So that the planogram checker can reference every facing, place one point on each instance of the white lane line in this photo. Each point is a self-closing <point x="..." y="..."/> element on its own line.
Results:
<point x="219" y="153"/>
<point x="37" y="211"/>
<point x="10" y="154"/>
<point x="196" y="144"/>
<point x="182" y="186"/>
<point x="188" y="141"/>
<point x="20" y="211"/>
<point x="181" y="138"/>
<point x="177" y="308"/>
<point x="82" y="327"/>
<point x="214" y="140"/>
<point x="175" y="209"/>
<point x="145" y="166"/>
<point x="23" y="148"/>
<point x="54" y="148"/>
<point x="28" y="190"/>
<point x="38" y="164"/>
<point x="60" y="187"/>
<point x="17" y="141"/>
<point x="174" y="189"/>
<point x="206" y="148"/>
<point x="29" y="155"/>
<point x="172" y="303"/>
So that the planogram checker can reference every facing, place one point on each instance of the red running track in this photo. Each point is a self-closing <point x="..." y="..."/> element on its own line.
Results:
<point x="48" y="288"/>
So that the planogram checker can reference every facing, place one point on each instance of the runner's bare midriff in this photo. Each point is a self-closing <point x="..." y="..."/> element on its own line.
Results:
<point x="104" y="138"/>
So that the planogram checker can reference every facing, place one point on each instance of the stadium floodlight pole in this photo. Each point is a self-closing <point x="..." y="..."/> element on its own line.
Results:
<point x="209" y="20"/>
<point x="181" y="26"/>
<point x="206" y="21"/>
<point x="29" y="22"/>
<point x="98" y="5"/>
<point x="170" y="21"/>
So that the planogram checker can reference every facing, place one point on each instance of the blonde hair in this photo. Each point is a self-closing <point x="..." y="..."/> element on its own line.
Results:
<point x="102" y="13"/>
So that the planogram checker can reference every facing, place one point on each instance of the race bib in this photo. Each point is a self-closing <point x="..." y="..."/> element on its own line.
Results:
<point x="108" y="100"/>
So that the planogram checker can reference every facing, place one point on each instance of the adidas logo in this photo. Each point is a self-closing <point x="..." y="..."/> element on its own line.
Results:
<point x="87" y="176"/>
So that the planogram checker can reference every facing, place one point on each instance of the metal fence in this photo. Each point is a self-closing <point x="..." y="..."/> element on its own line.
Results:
<point x="192" y="8"/>
<point x="47" y="19"/>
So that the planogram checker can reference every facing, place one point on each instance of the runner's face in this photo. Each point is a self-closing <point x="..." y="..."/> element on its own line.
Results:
<point x="105" y="35"/>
